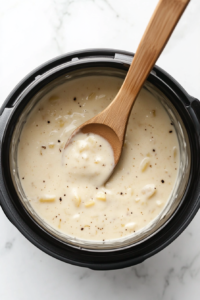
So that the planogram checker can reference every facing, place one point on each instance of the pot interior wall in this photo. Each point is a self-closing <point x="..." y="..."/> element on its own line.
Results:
<point x="176" y="195"/>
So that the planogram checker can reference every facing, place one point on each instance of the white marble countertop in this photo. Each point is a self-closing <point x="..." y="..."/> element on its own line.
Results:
<point x="34" y="31"/>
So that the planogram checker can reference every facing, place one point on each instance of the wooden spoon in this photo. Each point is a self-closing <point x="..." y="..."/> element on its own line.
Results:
<point x="112" y="122"/>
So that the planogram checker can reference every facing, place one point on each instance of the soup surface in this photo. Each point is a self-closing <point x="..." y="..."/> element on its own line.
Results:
<point x="64" y="186"/>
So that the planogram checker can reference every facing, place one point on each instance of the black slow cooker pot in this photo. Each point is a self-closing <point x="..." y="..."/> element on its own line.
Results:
<point x="188" y="109"/>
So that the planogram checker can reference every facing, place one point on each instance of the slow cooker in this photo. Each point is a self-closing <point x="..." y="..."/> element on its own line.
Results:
<point x="184" y="111"/>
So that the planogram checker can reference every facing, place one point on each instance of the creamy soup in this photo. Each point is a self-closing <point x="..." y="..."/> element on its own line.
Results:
<point x="88" y="158"/>
<point x="66" y="187"/>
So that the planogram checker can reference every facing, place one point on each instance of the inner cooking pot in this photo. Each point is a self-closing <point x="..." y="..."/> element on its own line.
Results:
<point x="182" y="109"/>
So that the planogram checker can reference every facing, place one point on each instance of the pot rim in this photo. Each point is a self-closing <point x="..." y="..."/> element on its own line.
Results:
<point x="75" y="58"/>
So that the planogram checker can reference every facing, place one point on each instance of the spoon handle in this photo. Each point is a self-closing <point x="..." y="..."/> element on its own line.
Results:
<point x="156" y="35"/>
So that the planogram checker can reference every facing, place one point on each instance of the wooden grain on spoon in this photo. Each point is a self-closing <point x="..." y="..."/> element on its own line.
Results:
<point x="112" y="122"/>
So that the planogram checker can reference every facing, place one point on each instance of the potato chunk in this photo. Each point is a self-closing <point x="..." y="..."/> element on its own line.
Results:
<point x="148" y="190"/>
<point x="101" y="196"/>
<point x="76" y="199"/>
<point x="47" y="199"/>
<point x="130" y="226"/>
<point x="174" y="150"/>
<point x="144" y="164"/>
<point x="159" y="203"/>
<point x="89" y="203"/>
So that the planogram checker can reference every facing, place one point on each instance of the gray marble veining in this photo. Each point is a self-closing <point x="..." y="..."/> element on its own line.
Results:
<point x="35" y="31"/>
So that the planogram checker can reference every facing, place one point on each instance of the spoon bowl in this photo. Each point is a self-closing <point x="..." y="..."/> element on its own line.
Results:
<point x="104" y="131"/>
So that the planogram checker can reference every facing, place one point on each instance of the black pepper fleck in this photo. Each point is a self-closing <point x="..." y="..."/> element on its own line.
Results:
<point x="44" y="147"/>
<point x="154" y="150"/>
<point x="58" y="141"/>
<point x="162" y="181"/>
<point x="48" y="122"/>
<point x="74" y="98"/>
<point x="82" y="228"/>
<point x="170" y="131"/>
<point x="60" y="199"/>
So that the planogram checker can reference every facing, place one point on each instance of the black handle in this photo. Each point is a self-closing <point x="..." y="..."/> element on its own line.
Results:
<point x="3" y="122"/>
<point x="195" y="112"/>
